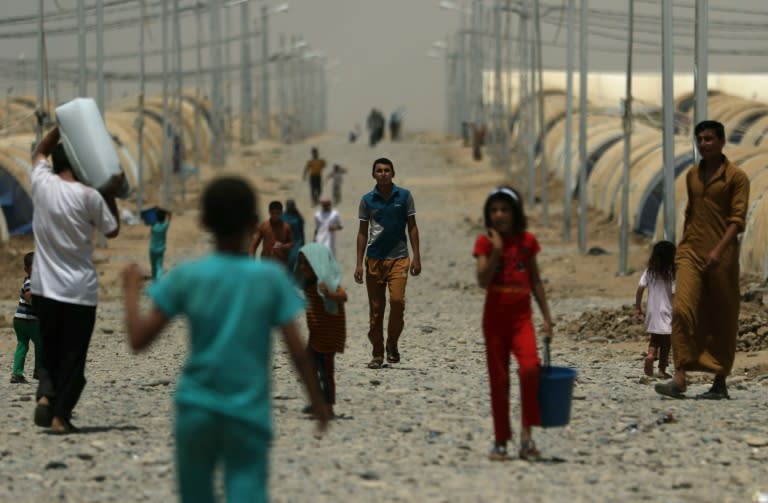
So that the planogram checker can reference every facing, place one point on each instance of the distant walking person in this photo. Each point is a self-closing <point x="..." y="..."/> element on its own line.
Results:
<point x="336" y="177"/>
<point x="385" y="213"/>
<point x="375" y="123"/>
<point x="659" y="280"/>
<point x="157" y="238"/>
<point x="327" y="222"/>
<point x="274" y="235"/>
<point x="315" y="168"/>
<point x="705" y="312"/>
<point x="296" y="222"/>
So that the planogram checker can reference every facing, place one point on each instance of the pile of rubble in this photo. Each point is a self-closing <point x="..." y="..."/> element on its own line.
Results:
<point x="619" y="325"/>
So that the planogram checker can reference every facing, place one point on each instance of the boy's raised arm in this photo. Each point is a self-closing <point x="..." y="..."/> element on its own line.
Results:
<point x="141" y="330"/>
<point x="46" y="145"/>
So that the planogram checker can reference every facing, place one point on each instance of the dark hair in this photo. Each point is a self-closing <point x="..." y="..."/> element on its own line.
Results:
<point x="28" y="258"/>
<point x="382" y="160"/>
<point x="514" y="199"/>
<point x="161" y="214"/>
<point x="715" y="126"/>
<point x="229" y="206"/>
<point x="661" y="265"/>
<point x="60" y="159"/>
<point x="275" y="205"/>
<point x="315" y="151"/>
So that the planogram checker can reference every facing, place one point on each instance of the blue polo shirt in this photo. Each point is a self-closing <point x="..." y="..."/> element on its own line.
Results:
<point x="388" y="219"/>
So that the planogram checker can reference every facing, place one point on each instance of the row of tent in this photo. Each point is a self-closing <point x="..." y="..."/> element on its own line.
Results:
<point x="18" y="114"/>
<point x="746" y="126"/>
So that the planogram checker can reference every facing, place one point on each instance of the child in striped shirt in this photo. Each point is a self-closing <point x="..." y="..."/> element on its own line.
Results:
<point x="26" y="326"/>
<point x="326" y="321"/>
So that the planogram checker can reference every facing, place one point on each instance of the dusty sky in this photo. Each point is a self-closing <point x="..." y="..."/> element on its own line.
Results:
<point x="377" y="48"/>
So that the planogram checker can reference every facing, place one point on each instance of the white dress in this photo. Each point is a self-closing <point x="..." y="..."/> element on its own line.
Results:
<point x="324" y="220"/>
<point x="658" y="314"/>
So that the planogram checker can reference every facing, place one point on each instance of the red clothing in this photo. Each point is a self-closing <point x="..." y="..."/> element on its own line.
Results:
<point x="508" y="328"/>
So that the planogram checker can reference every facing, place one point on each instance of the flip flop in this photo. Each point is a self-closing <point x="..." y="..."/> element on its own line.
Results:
<point x="669" y="389"/>
<point x="376" y="363"/>
<point x="43" y="415"/>
<point x="713" y="395"/>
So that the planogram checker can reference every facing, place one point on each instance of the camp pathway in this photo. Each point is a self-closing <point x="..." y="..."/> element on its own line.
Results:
<point x="419" y="430"/>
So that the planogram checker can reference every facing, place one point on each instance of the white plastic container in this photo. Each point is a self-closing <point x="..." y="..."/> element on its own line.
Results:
<point x="88" y="144"/>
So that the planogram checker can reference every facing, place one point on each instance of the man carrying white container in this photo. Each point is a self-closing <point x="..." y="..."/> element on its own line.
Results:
<point x="64" y="279"/>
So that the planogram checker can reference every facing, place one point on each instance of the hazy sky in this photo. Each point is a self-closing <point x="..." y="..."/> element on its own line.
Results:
<point x="378" y="47"/>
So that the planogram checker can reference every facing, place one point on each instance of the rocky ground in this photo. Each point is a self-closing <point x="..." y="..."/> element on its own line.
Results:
<point x="419" y="430"/>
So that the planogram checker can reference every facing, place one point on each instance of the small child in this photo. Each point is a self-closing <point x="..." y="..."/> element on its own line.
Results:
<point x="507" y="269"/>
<point x="223" y="406"/>
<point x="26" y="326"/>
<point x="157" y="237"/>
<point x="327" y="223"/>
<point x="326" y="321"/>
<point x="336" y="177"/>
<point x="659" y="279"/>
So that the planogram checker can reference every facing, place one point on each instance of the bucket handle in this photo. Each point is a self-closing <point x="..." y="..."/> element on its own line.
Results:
<point x="547" y="359"/>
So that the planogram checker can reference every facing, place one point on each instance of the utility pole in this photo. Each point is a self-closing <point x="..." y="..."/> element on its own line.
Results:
<point x="542" y="126"/>
<point x="100" y="56"/>
<point x="265" y="113"/>
<point x="217" y="157"/>
<point x="40" y="74"/>
<point x="140" y="117"/>
<point x="166" y="125"/>
<point x="624" y="233"/>
<point x="583" y="64"/>
<point x="178" y="108"/>
<point x="82" y="80"/>
<point x="700" y="67"/>
<point x="198" y="91"/>
<point x="669" y="120"/>
<point x="568" y="157"/>
<point x="246" y="130"/>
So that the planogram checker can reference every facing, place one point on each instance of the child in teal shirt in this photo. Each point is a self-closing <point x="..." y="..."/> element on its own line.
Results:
<point x="223" y="406"/>
<point x="157" y="236"/>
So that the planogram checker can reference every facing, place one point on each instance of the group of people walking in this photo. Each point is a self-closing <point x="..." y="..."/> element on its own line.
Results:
<point x="232" y="302"/>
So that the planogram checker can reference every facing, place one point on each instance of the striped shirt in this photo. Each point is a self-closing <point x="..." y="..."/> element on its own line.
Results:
<point x="25" y="311"/>
<point x="327" y="332"/>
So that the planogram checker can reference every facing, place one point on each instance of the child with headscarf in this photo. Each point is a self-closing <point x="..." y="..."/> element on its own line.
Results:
<point x="320" y="275"/>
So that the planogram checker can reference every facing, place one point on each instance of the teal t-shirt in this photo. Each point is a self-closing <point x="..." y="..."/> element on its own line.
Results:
<point x="232" y="303"/>
<point x="157" y="236"/>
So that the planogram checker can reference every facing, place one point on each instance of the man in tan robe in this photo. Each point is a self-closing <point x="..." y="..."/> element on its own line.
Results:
<point x="705" y="312"/>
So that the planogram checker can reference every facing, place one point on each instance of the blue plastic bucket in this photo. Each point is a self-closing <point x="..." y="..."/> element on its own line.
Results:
<point x="555" y="395"/>
<point x="149" y="216"/>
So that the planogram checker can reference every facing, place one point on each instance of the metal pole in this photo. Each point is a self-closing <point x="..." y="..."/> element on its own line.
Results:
<point x="227" y="76"/>
<point x="40" y="72"/>
<point x="462" y="66"/>
<point x="217" y="150"/>
<point x="198" y="92"/>
<point x="281" y="81"/>
<point x="179" y="130"/>
<point x="542" y="126"/>
<point x="166" y="152"/>
<point x="568" y="157"/>
<point x="100" y="55"/>
<point x="140" y="118"/>
<point x="82" y="75"/>
<point x="265" y="113"/>
<point x="499" y="132"/>
<point x="700" y="66"/>
<point x="522" y="94"/>
<point x="624" y="233"/>
<point x="583" y="63"/>
<point x="532" y="95"/>
<point x="246" y="130"/>
<point x="669" y="117"/>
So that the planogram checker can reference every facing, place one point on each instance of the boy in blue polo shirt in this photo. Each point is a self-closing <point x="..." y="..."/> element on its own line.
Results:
<point x="223" y="407"/>
<point x="385" y="213"/>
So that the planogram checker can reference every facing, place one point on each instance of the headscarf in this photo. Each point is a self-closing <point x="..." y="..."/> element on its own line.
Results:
<point x="326" y="269"/>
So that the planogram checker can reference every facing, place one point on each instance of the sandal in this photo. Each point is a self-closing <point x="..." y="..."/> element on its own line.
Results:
<point x="498" y="453"/>
<point x="528" y="451"/>
<point x="669" y="389"/>
<point x="375" y="363"/>
<point x="714" y="395"/>
<point x="43" y="415"/>
<point x="393" y="355"/>
<point x="648" y="366"/>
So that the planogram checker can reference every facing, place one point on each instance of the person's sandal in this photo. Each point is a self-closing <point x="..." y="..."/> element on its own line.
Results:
<point x="375" y="363"/>
<point x="43" y="415"/>
<point x="528" y="451"/>
<point x="498" y="453"/>
<point x="393" y="355"/>
<point x="648" y="366"/>
<point x="669" y="389"/>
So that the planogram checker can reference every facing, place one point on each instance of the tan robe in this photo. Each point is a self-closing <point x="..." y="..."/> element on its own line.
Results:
<point x="705" y="313"/>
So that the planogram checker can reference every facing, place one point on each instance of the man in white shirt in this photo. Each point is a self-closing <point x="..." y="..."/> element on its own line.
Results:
<point x="327" y="222"/>
<point x="64" y="279"/>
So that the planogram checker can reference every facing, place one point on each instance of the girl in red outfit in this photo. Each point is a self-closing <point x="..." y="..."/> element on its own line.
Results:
<point x="506" y="267"/>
